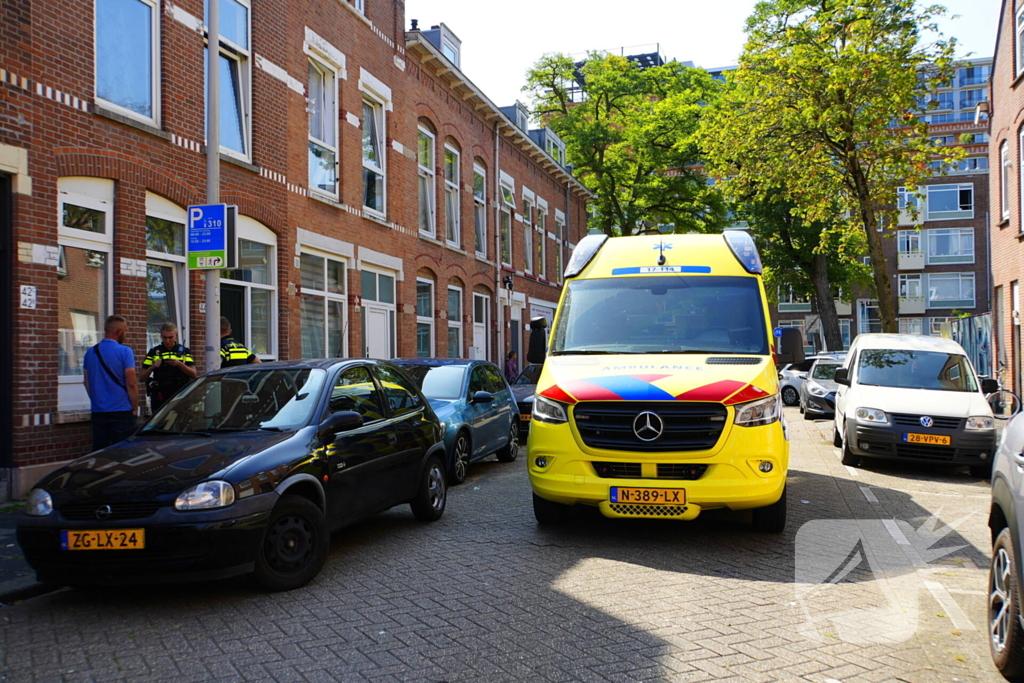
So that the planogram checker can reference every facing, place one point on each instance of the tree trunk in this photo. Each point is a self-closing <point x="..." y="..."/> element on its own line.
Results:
<point x="826" y="304"/>
<point x="883" y="288"/>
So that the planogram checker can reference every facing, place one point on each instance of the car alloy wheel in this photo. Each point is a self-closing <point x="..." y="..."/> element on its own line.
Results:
<point x="432" y="497"/>
<point x="510" y="451"/>
<point x="294" y="545"/>
<point x="1006" y="637"/>
<point x="460" y="460"/>
<point x="790" y="396"/>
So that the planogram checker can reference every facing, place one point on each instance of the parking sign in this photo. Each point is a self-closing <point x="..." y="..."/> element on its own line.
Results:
<point x="211" y="236"/>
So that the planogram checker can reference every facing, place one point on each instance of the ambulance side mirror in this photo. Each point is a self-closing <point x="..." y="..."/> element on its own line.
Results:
<point x="791" y="346"/>
<point x="537" y="351"/>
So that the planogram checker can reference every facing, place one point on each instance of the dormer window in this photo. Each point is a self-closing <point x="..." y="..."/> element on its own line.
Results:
<point x="447" y="42"/>
<point x="451" y="51"/>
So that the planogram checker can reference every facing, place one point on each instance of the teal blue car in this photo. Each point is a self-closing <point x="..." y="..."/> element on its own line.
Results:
<point x="475" y="405"/>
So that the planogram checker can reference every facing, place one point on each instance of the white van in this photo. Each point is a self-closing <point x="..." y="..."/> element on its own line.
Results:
<point x="915" y="399"/>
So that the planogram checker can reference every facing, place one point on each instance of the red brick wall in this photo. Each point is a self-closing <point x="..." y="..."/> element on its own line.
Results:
<point x="50" y="44"/>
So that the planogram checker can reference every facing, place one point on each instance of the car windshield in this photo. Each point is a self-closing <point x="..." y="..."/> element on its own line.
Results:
<point x="438" y="381"/>
<point x="269" y="399"/>
<point x="529" y="375"/>
<point x="825" y="370"/>
<point x="661" y="314"/>
<point x="916" y="370"/>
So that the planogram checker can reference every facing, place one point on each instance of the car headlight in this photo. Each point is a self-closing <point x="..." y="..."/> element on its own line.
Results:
<point x="816" y="389"/>
<point x="206" y="496"/>
<point x="546" y="410"/>
<point x="39" y="503"/>
<point x="872" y="415"/>
<point x="758" y="413"/>
<point x="981" y="422"/>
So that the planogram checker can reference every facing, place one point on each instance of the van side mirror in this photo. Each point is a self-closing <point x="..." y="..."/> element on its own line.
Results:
<point x="538" y="341"/>
<point x="791" y="346"/>
<point x="989" y="386"/>
<point x="342" y="421"/>
<point x="842" y="376"/>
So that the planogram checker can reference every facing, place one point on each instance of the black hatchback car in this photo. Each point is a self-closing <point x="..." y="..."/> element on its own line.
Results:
<point x="246" y="470"/>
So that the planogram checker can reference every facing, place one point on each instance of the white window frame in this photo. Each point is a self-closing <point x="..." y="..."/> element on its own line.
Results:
<point x="427" y="173"/>
<point x="327" y="297"/>
<point x="164" y="209"/>
<point x="390" y="308"/>
<point x="455" y="57"/>
<point x="483" y="325"/>
<point x="845" y="331"/>
<point x="939" y="259"/>
<point x="1020" y="39"/>
<point x="959" y="214"/>
<point x="1020" y="179"/>
<point x="507" y="191"/>
<point x="909" y="325"/>
<point x="529" y="207"/>
<point x="908" y="242"/>
<point x="331" y="71"/>
<point x="96" y="194"/>
<point x="378" y="96"/>
<point x="541" y="228"/>
<point x="910" y="284"/>
<point x="1004" y="179"/>
<point x="359" y="5"/>
<point x="959" y="303"/>
<point x="480" y="211"/>
<point x="251" y="230"/>
<point x="559" y="244"/>
<point x="457" y="322"/>
<point x="453" y="198"/>
<point x="863" y="315"/>
<point x="243" y="58"/>
<point x="426" y="320"/>
<point x="935" y="324"/>
<point x="154" y="37"/>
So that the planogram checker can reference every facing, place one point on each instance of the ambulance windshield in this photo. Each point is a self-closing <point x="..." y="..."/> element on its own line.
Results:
<point x="661" y="314"/>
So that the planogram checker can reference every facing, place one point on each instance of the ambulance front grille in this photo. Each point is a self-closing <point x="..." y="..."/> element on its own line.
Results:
<point x="685" y="426"/>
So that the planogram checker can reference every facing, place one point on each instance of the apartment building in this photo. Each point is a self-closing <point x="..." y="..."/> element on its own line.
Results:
<point x="938" y="258"/>
<point x="386" y="207"/>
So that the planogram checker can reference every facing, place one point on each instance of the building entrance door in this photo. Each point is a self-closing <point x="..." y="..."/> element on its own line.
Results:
<point x="378" y="341"/>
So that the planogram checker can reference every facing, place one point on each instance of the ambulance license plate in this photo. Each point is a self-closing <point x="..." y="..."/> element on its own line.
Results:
<point x="628" y="494"/>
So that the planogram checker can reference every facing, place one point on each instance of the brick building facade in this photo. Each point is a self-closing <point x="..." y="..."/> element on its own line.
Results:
<point x="386" y="206"/>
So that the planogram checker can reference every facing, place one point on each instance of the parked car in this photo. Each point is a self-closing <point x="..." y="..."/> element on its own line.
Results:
<point x="790" y="379"/>
<point x="1006" y="575"/>
<point x="246" y="470"/>
<point x="475" y="406"/>
<point x="523" y="388"/>
<point x="915" y="399"/>
<point x="818" y="390"/>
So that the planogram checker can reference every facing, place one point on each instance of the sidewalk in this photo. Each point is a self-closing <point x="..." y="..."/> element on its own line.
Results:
<point x="17" y="580"/>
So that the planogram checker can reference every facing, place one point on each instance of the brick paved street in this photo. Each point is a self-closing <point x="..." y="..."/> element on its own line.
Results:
<point x="485" y="595"/>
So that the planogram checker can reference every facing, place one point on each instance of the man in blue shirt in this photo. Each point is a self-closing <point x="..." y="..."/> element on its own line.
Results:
<point x="110" y="380"/>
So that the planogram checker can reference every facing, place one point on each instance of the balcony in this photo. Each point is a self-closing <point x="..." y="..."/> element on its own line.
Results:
<point x="911" y="260"/>
<point x="795" y="307"/>
<point x="844" y="307"/>
<point x="912" y="305"/>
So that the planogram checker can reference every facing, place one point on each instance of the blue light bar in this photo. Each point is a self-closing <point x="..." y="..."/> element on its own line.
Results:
<point x="743" y="248"/>
<point x="584" y="253"/>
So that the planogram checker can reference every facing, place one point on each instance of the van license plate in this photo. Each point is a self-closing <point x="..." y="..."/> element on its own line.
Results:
<point x="106" y="539"/>
<point x="931" y="439"/>
<point x="624" y="494"/>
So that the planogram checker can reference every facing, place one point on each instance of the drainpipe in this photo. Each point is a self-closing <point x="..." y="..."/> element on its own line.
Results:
<point x="499" y="312"/>
<point x="565" y="228"/>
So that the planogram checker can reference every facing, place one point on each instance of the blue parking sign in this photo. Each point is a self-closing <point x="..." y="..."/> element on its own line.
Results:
<point x="210" y="236"/>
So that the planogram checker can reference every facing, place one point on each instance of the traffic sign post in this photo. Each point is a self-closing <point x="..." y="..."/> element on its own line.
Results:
<point x="211" y="236"/>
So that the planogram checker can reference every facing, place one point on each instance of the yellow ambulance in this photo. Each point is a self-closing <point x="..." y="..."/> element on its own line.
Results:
<point x="659" y="395"/>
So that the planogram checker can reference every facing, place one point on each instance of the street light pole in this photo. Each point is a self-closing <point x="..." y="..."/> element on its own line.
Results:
<point x="213" y="175"/>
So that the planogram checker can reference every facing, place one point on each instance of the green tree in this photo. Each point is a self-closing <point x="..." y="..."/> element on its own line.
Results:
<point x="814" y="259"/>
<point x="633" y="139"/>
<point x="824" y="103"/>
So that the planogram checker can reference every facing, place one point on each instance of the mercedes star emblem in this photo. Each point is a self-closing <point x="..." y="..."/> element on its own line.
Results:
<point x="926" y="421"/>
<point x="648" y="426"/>
<point x="103" y="511"/>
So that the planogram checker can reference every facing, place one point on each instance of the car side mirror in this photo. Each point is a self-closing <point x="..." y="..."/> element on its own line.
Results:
<point x="538" y="341"/>
<point x="482" y="397"/>
<point x="989" y="386"/>
<point x="342" y="421"/>
<point x="842" y="376"/>
<point x="791" y="346"/>
<point x="801" y="375"/>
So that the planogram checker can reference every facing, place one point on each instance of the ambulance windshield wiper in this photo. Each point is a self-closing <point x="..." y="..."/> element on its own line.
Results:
<point x="691" y="351"/>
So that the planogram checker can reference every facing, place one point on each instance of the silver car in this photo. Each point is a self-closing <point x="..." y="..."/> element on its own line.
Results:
<point x="792" y="376"/>
<point x="1005" y="579"/>
<point x="818" y="390"/>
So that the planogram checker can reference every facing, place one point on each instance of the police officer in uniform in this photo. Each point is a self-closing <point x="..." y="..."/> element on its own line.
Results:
<point x="233" y="353"/>
<point x="167" y="367"/>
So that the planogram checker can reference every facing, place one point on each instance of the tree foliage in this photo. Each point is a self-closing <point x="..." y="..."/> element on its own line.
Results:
<point x="824" y="106"/>
<point x="633" y="139"/>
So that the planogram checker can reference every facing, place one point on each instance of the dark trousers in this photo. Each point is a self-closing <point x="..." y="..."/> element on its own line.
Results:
<point x="111" y="428"/>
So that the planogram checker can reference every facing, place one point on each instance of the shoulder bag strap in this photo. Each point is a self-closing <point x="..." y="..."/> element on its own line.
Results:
<point x="105" y="367"/>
